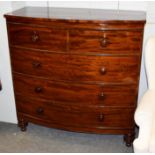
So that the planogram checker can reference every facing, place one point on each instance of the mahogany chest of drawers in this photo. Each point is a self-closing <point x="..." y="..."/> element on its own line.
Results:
<point x="76" y="69"/>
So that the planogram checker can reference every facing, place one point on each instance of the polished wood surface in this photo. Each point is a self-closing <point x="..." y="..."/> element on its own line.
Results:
<point x="78" y="14"/>
<point x="105" y="41"/>
<point x="76" y="69"/>
<point x="78" y="18"/>
<point x="76" y="116"/>
<point x="38" y="38"/>
<point x="75" y="93"/>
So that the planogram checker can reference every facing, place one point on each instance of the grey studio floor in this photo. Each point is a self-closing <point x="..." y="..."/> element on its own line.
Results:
<point x="41" y="139"/>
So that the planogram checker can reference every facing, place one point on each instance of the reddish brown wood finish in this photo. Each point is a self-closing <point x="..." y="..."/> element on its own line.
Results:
<point x="67" y="18"/>
<point x="79" y="68"/>
<point x="76" y="69"/>
<point x="75" y="93"/>
<point x="38" y="37"/>
<point x="105" y="41"/>
<point x="94" y="117"/>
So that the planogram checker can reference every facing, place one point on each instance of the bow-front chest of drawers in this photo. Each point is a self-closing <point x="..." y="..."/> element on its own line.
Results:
<point x="76" y="69"/>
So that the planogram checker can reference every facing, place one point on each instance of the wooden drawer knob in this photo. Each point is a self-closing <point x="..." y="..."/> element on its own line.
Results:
<point x="38" y="89"/>
<point x="36" y="64"/>
<point x="104" y="41"/>
<point x="40" y="110"/>
<point x="101" y="117"/>
<point x="35" y="36"/>
<point x="103" y="70"/>
<point x="102" y="96"/>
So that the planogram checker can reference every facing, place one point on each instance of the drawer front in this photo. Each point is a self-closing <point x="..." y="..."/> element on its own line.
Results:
<point x="74" y="93"/>
<point x="76" y="67"/>
<point x="113" y="42"/>
<point x="37" y="37"/>
<point x="76" y="116"/>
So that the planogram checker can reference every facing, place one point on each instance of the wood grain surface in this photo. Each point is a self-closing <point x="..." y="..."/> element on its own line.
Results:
<point x="76" y="69"/>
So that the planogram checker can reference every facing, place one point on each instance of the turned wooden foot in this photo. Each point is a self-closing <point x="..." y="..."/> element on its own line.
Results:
<point x="128" y="138"/>
<point x="22" y="124"/>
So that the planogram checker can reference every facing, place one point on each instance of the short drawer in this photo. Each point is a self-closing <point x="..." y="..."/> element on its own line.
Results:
<point x="58" y="66"/>
<point x="37" y="37"/>
<point x="110" y="42"/>
<point x="75" y="93"/>
<point x="76" y="116"/>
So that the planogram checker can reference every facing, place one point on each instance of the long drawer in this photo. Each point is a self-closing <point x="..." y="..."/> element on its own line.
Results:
<point x="74" y="116"/>
<point x="112" y="42"/>
<point x="37" y="37"/>
<point x="75" y="93"/>
<point x="58" y="66"/>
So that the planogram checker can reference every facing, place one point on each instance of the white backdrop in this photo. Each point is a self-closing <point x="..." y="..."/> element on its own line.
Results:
<point x="7" y="104"/>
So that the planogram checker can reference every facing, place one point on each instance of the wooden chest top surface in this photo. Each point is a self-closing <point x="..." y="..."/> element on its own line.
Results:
<point x="79" y="14"/>
<point x="78" y="18"/>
